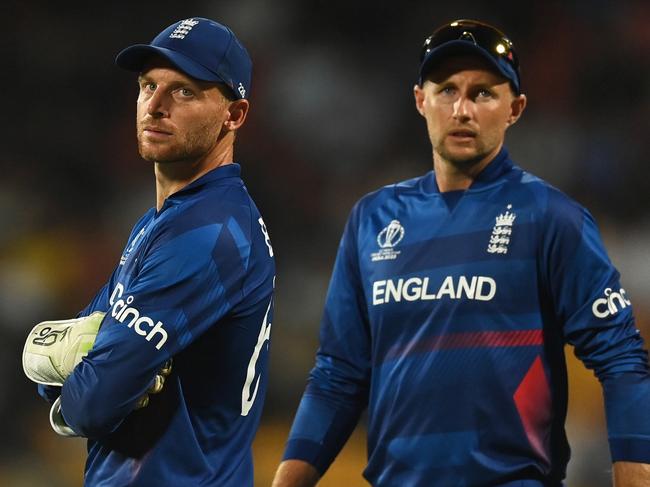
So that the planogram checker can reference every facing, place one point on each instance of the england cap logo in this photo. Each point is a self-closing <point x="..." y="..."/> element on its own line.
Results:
<point x="201" y="48"/>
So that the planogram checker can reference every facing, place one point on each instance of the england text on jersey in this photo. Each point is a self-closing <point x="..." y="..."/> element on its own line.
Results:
<point x="481" y="288"/>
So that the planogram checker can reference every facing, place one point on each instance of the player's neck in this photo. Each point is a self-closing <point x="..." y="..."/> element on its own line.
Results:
<point x="171" y="177"/>
<point x="455" y="175"/>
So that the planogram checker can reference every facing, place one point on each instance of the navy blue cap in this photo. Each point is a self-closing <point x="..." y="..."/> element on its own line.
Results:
<point x="201" y="48"/>
<point x="471" y="37"/>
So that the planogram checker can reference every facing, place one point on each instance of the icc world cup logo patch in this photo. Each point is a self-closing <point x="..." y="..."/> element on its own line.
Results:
<point x="387" y="239"/>
<point x="390" y="236"/>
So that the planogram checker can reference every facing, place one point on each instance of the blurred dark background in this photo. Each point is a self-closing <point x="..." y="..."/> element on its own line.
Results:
<point x="332" y="118"/>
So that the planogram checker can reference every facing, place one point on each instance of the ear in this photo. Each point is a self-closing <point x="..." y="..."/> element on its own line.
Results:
<point x="237" y="111"/>
<point x="418" y="93"/>
<point x="517" y="107"/>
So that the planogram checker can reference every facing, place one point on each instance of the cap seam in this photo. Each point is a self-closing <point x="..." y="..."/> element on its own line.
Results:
<point x="226" y="50"/>
<point x="191" y="59"/>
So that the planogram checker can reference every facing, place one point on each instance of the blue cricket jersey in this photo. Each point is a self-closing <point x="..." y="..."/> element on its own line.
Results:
<point x="447" y="316"/>
<point x="195" y="284"/>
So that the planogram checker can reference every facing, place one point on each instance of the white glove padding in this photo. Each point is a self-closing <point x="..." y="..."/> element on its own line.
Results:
<point x="58" y="423"/>
<point x="54" y="348"/>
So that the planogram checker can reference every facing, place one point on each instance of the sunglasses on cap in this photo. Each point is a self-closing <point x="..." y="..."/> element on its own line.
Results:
<point x="489" y="39"/>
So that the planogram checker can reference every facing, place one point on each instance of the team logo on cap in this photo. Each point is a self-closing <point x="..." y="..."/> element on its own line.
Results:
<point x="387" y="239"/>
<point x="183" y="29"/>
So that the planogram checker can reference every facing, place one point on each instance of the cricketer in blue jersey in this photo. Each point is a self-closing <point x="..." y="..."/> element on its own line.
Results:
<point x="451" y="300"/>
<point x="194" y="284"/>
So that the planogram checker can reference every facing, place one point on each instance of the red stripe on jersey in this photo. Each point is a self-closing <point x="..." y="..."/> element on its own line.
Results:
<point x="479" y="339"/>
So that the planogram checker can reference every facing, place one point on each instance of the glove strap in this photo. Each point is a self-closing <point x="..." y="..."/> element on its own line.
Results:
<point x="58" y="423"/>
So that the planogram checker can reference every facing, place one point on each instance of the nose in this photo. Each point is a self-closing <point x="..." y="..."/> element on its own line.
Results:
<point x="462" y="109"/>
<point x="157" y="105"/>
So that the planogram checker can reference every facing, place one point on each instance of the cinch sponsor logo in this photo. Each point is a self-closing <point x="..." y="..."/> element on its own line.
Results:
<point x="122" y="312"/>
<point x="480" y="288"/>
<point x="610" y="304"/>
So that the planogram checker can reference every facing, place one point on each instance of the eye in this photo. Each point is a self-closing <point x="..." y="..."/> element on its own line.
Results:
<point x="484" y="93"/>
<point x="186" y="92"/>
<point x="447" y="90"/>
<point x="147" y="86"/>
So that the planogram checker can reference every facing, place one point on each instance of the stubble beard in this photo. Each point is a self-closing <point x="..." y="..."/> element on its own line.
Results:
<point x="462" y="162"/>
<point x="191" y="147"/>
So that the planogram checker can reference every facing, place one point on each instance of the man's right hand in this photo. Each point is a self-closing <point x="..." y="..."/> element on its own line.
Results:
<point x="295" y="473"/>
<point x="59" y="425"/>
<point x="157" y="386"/>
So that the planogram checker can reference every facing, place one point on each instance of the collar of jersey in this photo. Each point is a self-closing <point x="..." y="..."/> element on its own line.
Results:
<point x="215" y="175"/>
<point x="500" y="165"/>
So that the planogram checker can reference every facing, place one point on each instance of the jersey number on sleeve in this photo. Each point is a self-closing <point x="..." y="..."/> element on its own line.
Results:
<point x="248" y="398"/>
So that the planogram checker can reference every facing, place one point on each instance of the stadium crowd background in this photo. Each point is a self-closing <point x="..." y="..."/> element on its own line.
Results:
<point x="332" y="118"/>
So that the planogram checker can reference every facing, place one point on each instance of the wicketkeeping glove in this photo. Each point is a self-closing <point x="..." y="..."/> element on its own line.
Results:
<point x="54" y="348"/>
<point x="61" y="427"/>
<point x="157" y="386"/>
